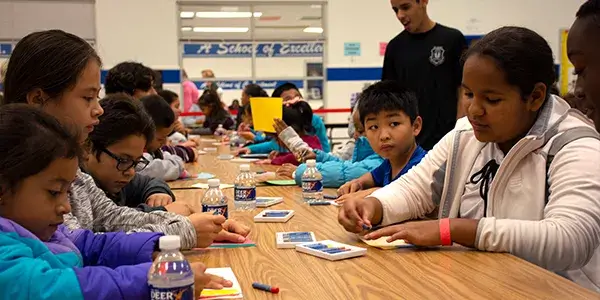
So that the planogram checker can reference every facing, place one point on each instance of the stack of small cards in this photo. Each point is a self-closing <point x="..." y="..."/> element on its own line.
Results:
<point x="274" y="216"/>
<point x="291" y="239"/>
<point x="331" y="250"/>
<point x="268" y="201"/>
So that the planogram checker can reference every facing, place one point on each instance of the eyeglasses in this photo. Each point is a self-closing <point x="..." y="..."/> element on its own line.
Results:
<point x="124" y="164"/>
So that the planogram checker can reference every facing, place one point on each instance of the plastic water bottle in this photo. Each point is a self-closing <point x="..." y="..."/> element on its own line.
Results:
<point x="214" y="201"/>
<point x="171" y="276"/>
<point x="220" y="132"/>
<point x="312" y="183"/>
<point x="245" y="190"/>
<point x="234" y="140"/>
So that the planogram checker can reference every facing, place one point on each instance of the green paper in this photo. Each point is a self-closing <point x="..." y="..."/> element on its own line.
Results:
<point x="282" y="182"/>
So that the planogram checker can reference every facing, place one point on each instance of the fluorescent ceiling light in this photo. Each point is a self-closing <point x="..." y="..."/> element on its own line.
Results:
<point x="186" y="28"/>
<point x="221" y="29"/>
<point x="187" y="14"/>
<point x="227" y="14"/>
<point x="315" y="6"/>
<point x="313" y="30"/>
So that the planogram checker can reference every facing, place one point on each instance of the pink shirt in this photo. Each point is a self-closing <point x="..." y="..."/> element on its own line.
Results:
<point x="190" y="95"/>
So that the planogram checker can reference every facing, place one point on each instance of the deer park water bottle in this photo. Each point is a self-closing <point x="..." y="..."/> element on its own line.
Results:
<point x="312" y="183"/>
<point x="220" y="132"/>
<point x="214" y="201"/>
<point x="245" y="190"/>
<point x="171" y="276"/>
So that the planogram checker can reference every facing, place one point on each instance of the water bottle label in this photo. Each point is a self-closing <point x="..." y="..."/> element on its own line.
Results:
<point x="245" y="194"/>
<point x="216" y="210"/>
<point x="176" y="293"/>
<point x="312" y="186"/>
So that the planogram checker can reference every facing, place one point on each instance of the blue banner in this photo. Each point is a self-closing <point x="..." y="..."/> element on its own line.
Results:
<point x="240" y="84"/>
<point x="5" y="49"/>
<point x="291" y="49"/>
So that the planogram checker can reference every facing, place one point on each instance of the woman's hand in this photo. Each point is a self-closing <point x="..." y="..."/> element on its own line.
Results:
<point x="286" y="170"/>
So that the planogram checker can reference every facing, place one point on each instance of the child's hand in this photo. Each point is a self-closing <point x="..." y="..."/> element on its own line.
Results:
<point x="356" y="195"/>
<point x="242" y="151"/>
<point x="179" y="208"/>
<point x="357" y="213"/>
<point x="263" y="162"/>
<point x="349" y="187"/>
<point x="286" y="170"/>
<point x="279" y="125"/>
<point x="273" y="154"/>
<point x="201" y="279"/>
<point x="419" y="233"/>
<point x="217" y="282"/>
<point x="293" y="101"/>
<point x="233" y="232"/>
<point x="179" y="127"/>
<point x="309" y="155"/>
<point x="159" y="200"/>
<point x="247" y="135"/>
<point x="207" y="227"/>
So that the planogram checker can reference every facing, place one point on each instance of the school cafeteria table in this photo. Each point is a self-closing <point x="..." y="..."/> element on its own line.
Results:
<point x="443" y="273"/>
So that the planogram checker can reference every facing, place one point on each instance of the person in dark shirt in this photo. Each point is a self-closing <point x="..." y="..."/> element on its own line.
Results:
<point x="425" y="57"/>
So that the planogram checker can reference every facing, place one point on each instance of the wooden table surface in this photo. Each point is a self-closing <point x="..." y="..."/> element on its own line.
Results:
<point x="441" y="273"/>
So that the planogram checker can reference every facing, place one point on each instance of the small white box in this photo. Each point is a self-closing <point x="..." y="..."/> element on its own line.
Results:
<point x="268" y="201"/>
<point x="291" y="239"/>
<point x="274" y="216"/>
<point x="331" y="250"/>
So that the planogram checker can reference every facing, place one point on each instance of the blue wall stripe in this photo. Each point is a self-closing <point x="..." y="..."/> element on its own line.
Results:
<point x="168" y="76"/>
<point x="333" y="74"/>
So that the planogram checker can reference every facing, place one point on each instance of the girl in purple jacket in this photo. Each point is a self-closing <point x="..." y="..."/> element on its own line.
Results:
<point x="39" y="257"/>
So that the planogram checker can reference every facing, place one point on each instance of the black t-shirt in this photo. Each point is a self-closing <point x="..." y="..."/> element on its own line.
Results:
<point x="429" y="64"/>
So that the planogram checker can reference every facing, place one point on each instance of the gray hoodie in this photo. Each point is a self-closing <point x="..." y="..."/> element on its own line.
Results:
<point x="92" y="209"/>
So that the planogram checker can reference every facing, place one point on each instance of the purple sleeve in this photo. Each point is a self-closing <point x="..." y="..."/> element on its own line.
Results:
<point x="114" y="249"/>
<point x="128" y="282"/>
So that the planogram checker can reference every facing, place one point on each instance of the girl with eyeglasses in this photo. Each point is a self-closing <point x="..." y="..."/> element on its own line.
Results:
<point x="116" y="153"/>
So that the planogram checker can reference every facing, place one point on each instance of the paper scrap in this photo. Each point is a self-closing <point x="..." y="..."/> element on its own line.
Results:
<point x="381" y="243"/>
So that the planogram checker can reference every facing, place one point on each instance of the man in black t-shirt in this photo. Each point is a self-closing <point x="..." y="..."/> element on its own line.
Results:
<point x="426" y="58"/>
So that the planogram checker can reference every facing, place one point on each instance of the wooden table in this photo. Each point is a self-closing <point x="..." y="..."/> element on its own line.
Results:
<point x="451" y="272"/>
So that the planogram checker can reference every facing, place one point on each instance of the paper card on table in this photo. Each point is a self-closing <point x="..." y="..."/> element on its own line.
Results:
<point x="381" y="243"/>
<point x="244" y="160"/>
<point x="264" y="110"/>
<point x="205" y="186"/>
<point x="247" y="243"/>
<point x="282" y="182"/>
<point x="201" y="175"/>
<point x="234" y="292"/>
<point x="205" y="140"/>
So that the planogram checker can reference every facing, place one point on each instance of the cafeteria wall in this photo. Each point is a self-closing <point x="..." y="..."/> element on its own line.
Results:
<point x="140" y="30"/>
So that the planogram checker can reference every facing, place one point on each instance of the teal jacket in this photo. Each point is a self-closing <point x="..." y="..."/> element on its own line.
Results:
<point x="336" y="171"/>
<point x="272" y="145"/>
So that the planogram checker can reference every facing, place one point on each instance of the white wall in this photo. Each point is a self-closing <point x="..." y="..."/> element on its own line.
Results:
<point x="374" y="23"/>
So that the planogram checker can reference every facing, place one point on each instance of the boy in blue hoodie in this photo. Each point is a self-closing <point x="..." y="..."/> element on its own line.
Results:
<point x="335" y="170"/>
<point x="389" y="114"/>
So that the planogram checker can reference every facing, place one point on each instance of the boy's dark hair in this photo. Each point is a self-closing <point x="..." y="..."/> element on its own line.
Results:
<point x="169" y="96"/>
<point x="30" y="140"/>
<point x="159" y="110"/>
<point x="50" y="60"/>
<point x="523" y="55"/>
<point x="123" y="117"/>
<point x="284" y="87"/>
<point x="127" y="77"/>
<point x="211" y="99"/>
<point x="387" y="95"/>
<point x="255" y="90"/>
<point x="299" y="117"/>
<point x="590" y="8"/>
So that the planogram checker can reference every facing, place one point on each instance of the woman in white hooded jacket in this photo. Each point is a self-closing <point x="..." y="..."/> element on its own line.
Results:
<point x="520" y="174"/>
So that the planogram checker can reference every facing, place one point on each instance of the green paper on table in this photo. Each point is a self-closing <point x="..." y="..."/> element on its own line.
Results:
<point x="226" y="245"/>
<point x="282" y="182"/>
<point x="264" y="111"/>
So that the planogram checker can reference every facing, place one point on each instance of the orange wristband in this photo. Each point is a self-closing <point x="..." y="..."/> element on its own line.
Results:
<point x="445" y="232"/>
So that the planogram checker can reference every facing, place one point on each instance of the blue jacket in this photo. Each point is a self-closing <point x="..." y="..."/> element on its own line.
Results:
<point x="74" y="264"/>
<point x="336" y="171"/>
<point x="271" y="145"/>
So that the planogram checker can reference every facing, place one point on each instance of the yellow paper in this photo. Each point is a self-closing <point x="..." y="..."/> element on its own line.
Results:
<point x="264" y="110"/>
<point x="381" y="243"/>
<point x="223" y="292"/>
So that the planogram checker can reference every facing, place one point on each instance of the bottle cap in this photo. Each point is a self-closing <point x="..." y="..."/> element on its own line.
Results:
<point x="245" y="168"/>
<point x="220" y="125"/>
<point x="311" y="162"/>
<point x="169" y="242"/>
<point x="214" y="182"/>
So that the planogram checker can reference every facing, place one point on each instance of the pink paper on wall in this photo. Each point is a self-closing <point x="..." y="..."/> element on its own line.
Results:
<point x="382" y="46"/>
